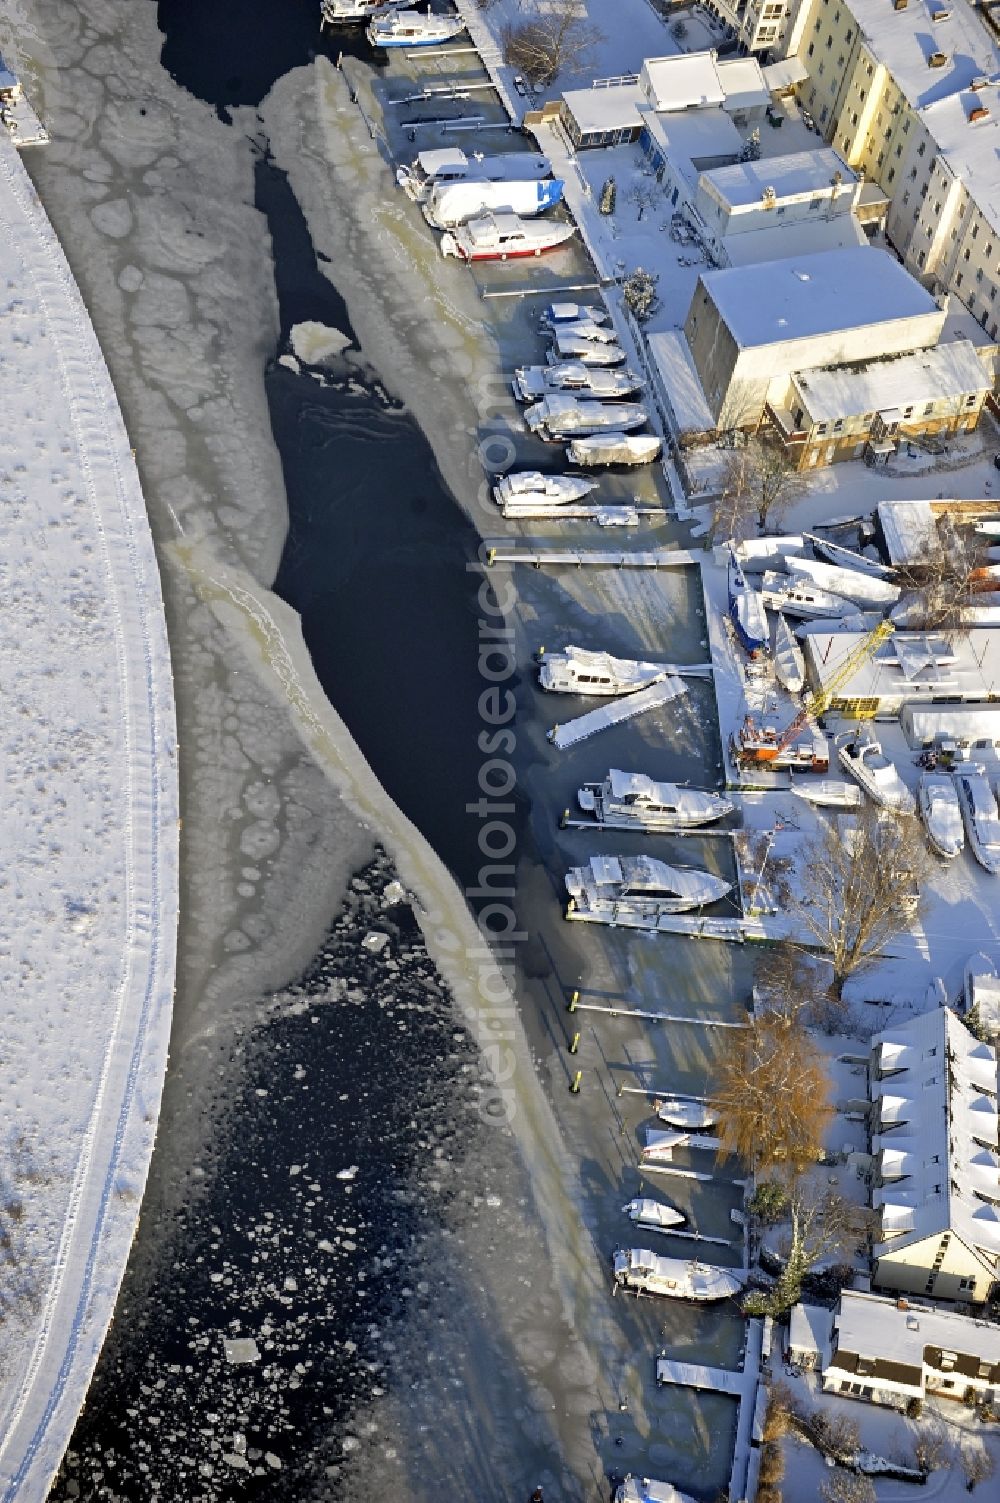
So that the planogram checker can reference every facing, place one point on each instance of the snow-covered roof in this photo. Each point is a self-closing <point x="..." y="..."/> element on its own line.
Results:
<point x="904" y="40"/>
<point x="697" y="141"/>
<point x="911" y="664"/>
<point x="742" y="83"/>
<point x="943" y="1096"/>
<point x="801" y="237"/>
<point x="800" y="174"/>
<point x="684" y="81"/>
<point x="784" y="74"/>
<point x="935" y="375"/>
<point x="802" y="297"/>
<point x="909" y="530"/>
<point x="675" y="368"/>
<point x="926" y="723"/>
<point x="444" y="156"/>
<point x="809" y="1328"/>
<point x="889" y="1330"/>
<point x="613" y="108"/>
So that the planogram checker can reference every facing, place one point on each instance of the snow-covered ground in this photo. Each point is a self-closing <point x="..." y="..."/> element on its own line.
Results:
<point x="89" y="828"/>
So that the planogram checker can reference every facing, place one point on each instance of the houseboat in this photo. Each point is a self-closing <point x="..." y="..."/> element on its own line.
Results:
<point x="559" y="315"/>
<point x="799" y="597"/>
<point x="572" y="347"/>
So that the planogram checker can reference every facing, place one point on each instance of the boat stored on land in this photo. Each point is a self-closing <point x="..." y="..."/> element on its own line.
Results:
<point x="828" y="793"/>
<point x="746" y="609"/>
<point x="614" y="448"/>
<point x="572" y="347"/>
<point x="504" y="237"/>
<point x="695" y="1115"/>
<point x="449" y="164"/>
<point x="412" y="28"/>
<point x="560" y="416"/>
<point x="451" y="204"/>
<point x="633" y="801"/>
<point x="833" y="553"/>
<point x="645" y="1272"/>
<point x="979" y="810"/>
<point x="560" y="314"/>
<point x="577" y="670"/>
<point x="865" y="589"/>
<point x="608" y="887"/>
<point x="645" y="1211"/>
<point x="861" y="755"/>
<point x="599" y="383"/>
<point x="941" y="812"/>
<point x="800" y="597"/>
<point x="648" y="1490"/>
<point x="789" y="664"/>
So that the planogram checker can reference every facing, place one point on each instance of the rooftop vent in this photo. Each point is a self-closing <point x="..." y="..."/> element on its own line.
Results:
<point x="899" y="4"/>
<point x="979" y="113"/>
<point x="938" y="60"/>
<point x="979" y="82"/>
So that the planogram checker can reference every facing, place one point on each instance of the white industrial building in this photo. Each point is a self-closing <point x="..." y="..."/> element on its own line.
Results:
<point x="935" y="668"/>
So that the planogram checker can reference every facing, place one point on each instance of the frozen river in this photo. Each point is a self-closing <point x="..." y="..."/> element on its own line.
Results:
<point x="419" y="1284"/>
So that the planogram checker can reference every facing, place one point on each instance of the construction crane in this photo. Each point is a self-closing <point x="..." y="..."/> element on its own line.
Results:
<point x="757" y="744"/>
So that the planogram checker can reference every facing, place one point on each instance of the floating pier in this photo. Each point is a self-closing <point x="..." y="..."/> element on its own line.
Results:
<point x="735" y="930"/>
<point x="579" y="558"/>
<point x="616" y="712"/>
<point x="657" y="1017"/>
<point x="571" y="822"/>
<point x="694" y="1375"/>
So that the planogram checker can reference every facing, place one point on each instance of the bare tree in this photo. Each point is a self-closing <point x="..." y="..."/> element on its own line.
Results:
<point x="977" y="1465"/>
<point x="848" y="1487"/>
<point x="837" y="1435"/>
<point x="821" y="1224"/>
<point x="857" y="892"/>
<point x="944" y="580"/>
<point x="540" y="45"/>
<point x="932" y="1448"/>
<point x="791" y="981"/>
<point x="772" y="1093"/>
<point x="644" y="195"/>
<point x="758" y="485"/>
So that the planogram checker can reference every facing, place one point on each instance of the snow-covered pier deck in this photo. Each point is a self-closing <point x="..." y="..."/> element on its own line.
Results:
<point x="742" y="1385"/>
<point x="89" y="832"/>
<point x="580" y="558"/>
<point x="694" y="1375"/>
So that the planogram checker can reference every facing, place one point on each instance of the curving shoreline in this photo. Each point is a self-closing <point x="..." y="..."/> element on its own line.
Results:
<point x="89" y="822"/>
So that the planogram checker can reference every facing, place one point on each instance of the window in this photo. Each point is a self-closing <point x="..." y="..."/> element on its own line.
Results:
<point x="979" y="274"/>
<point x="906" y="198"/>
<point x="820" y="429"/>
<point x="810" y="49"/>
<point x="849" y="36"/>
<point x="970" y="400"/>
<point x="921" y="259"/>
<point x="958" y="280"/>
<point x="965" y="254"/>
<point x="838" y="426"/>
<point x="907" y="412"/>
<point x="975" y="231"/>
<point x="890" y="174"/>
<point x="921" y="148"/>
<point x="899" y="151"/>
<point x="820" y="70"/>
<point x="989" y="250"/>
<point x="928" y="409"/>
<point x="814" y="205"/>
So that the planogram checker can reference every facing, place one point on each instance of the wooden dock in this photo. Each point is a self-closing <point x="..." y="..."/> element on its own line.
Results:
<point x="570" y="822"/>
<point x="580" y="558"/>
<point x="694" y="1375"/>
<point x="616" y="712"/>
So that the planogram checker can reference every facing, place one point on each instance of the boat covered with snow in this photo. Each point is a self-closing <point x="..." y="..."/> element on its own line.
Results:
<point x="941" y="812"/>
<point x="861" y="755"/>
<point x="789" y="664"/>
<point x="828" y="793"/>
<point x="561" y="489"/>
<point x="412" y="28"/>
<point x="629" y="449"/>
<point x="846" y="558"/>
<point x="347" y="12"/>
<point x="648" y="1490"/>
<point x="561" y="416"/>
<point x="571" y="347"/>
<point x="578" y="670"/>
<point x="979" y="810"/>
<point x="695" y="1115"/>
<point x="645" y="1211"/>
<point x="800" y="597"/>
<point x="559" y="315"/>
<point x="645" y="1272"/>
<point x="449" y="164"/>
<point x="610" y="888"/>
<point x="631" y="800"/>
<point x="504" y="237"/>
<point x="451" y="204"/>
<point x="746" y="609"/>
<point x="852" y="584"/>
<point x="588" y="329"/>
<point x="598" y="383"/>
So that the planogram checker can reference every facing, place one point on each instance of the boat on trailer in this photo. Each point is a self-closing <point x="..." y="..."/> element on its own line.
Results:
<point x="610" y="888"/>
<point x="644" y="1272"/>
<point x="577" y="670"/>
<point x="504" y="237"/>
<point x="645" y="1211"/>
<point x="560" y="416"/>
<point x="628" y="449"/>
<point x="598" y="383"/>
<point x="979" y="810"/>
<point x="941" y="812"/>
<point x="633" y="801"/>
<point x="746" y="609"/>
<point x="694" y="1115"/>
<point x="447" y="165"/>
<point x="861" y="755"/>
<point x="412" y="28"/>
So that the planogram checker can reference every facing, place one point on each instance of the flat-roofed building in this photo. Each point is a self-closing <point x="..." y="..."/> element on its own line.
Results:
<point x="909" y="667"/>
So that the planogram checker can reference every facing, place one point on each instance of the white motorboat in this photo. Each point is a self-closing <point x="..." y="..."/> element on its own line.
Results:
<point x="864" y="589"/>
<point x="988" y="529"/>
<point x="853" y="622"/>
<point x="572" y="347"/>
<point x="451" y="204"/>
<point x="746" y="609"/>
<point x="344" y="12"/>
<point x="504" y="237"/>
<point x="648" y="1490"/>
<point x="799" y="597"/>
<point x="599" y="383"/>
<point x="614" y="448"/>
<point x="586" y="328"/>
<point x="979" y="810"/>
<point x="561" y="489"/>
<point x="789" y="664"/>
<point x="828" y="793"/>
<point x="610" y="888"/>
<point x="560" y="416"/>
<point x="645" y="1272"/>
<point x="695" y="1115"/>
<point x="633" y="801"/>
<point x="560" y="314"/>
<point x="449" y="164"/>
<point x="861" y="755"/>
<point x="941" y="812"/>
<point x="412" y="28"/>
<point x="645" y="1211"/>
<point x="577" y="670"/>
<point x="833" y="553"/>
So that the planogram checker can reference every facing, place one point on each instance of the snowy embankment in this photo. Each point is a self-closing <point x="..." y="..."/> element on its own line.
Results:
<point x="88" y="824"/>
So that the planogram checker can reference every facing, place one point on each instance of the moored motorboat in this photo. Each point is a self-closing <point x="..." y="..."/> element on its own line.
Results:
<point x="345" y="12"/>
<point x="645" y="1211"/>
<point x="979" y="810"/>
<point x="695" y="1115"/>
<point x="645" y="1272"/>
<point x="789" y="664"/>
<point x="800" y="597"/>
<point x="578" y="670"/>
<point x="610" y="888"/>
<point x="557" y="488"/>
<point x="451" y="204"/>
<point x="746" y="609"/>
<point x="558" y="315"/>
<point x="599" y="383"/>
<point x="412" y="28"/>
<point x="648" y="1490"/>
<point x="560" y="416"/>
<point x="631" y="800"/>
<point x="588" y="329"/>
<point x="628" y="449"/>
<point x="828" y="793"/>
<point x="449" y="164"/>
<point x="941" y="812"/>
<point x="504" y="237"/>
<point x="861" y="755"/>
